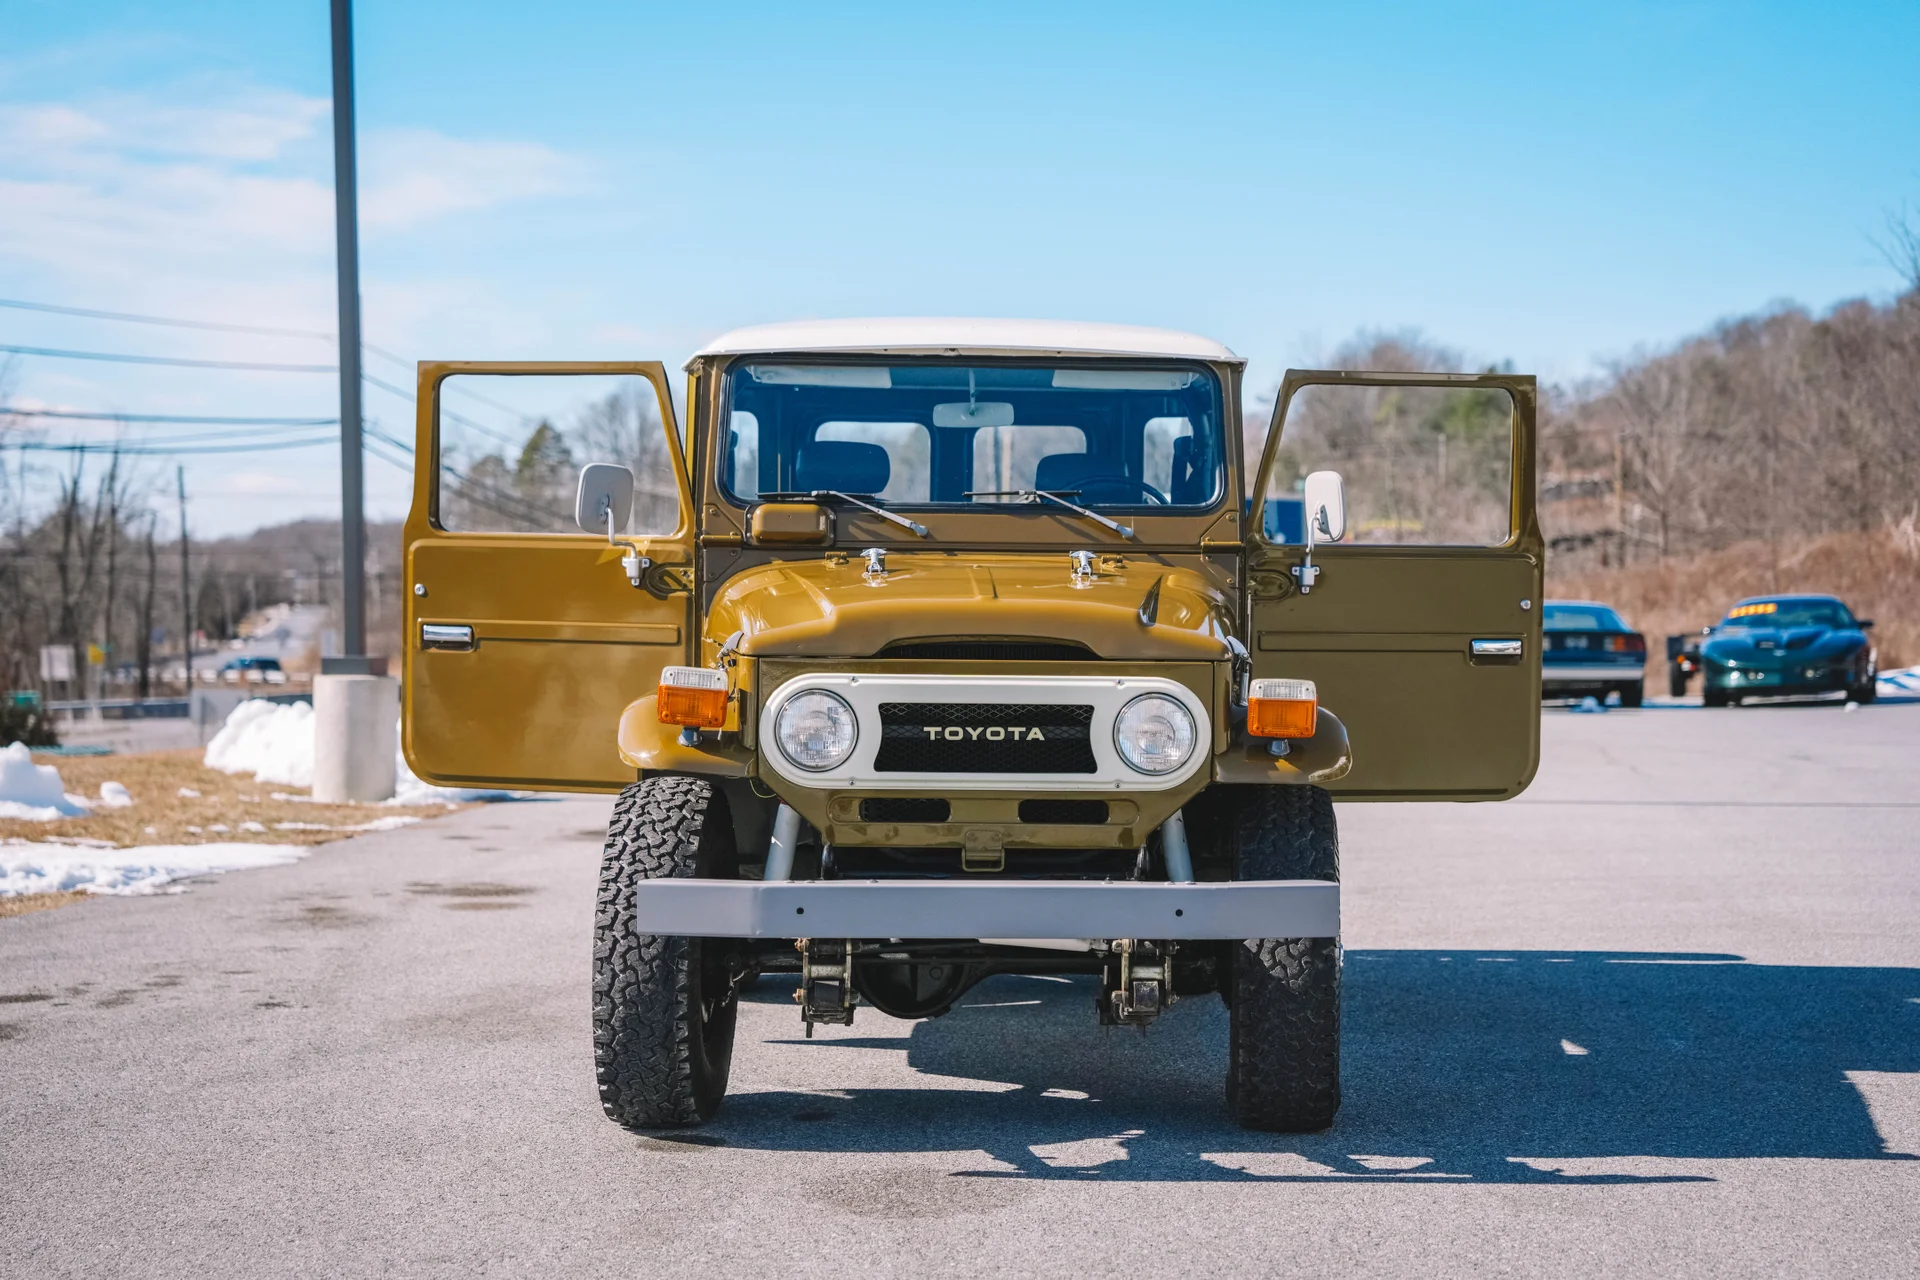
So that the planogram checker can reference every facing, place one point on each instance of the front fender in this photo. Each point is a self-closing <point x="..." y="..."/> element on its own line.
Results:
<point x="1325" y="757"/>
<point x="648" y="745"/>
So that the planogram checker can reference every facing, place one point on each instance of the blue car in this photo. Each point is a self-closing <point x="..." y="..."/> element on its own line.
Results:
<point x="1590" y="650"/>
<point x="1785" y="646"/>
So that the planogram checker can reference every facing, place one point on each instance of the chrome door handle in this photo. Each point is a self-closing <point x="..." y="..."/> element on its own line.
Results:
<point x="1498" y="651"/>
<point x="434" y="635"/>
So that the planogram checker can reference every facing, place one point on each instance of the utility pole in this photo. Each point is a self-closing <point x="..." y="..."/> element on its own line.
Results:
<point x="356" y="705"/>
<point x="353" y="531"/>
<point x="186" y="586"/>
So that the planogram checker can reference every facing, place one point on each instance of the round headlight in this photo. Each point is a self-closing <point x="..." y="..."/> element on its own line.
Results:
<point x="1154" y="733"/>
<point x="816" y="729"/>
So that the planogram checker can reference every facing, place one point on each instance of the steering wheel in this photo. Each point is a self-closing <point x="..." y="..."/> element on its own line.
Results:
<point x="1088" y="485"/>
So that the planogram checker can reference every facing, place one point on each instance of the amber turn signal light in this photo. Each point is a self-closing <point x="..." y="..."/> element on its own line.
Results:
<point x="693" y="696"/>
<point x="1282" y="708"/>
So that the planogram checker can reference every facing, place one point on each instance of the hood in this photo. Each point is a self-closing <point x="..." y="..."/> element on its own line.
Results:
<point x="831" y="608"/>
<point x="1760" y="644"/>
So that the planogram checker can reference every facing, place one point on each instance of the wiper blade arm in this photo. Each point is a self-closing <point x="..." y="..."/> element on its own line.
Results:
<point x="1034" y="495"/>
<point x="913" y="525"/>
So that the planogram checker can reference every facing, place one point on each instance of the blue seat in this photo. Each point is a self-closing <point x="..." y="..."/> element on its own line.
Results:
<point x="1060" y="472"/>
<point x="851" y="466"/>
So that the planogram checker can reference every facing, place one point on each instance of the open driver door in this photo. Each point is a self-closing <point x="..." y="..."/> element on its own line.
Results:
<point x="524" y="638"/>
<point x="1421" y="625"/>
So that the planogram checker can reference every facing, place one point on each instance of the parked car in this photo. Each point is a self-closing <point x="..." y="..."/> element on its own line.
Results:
<point x="253" y="670"/>
<point x="1785" y="646"/>
<point x="893" y="738"/>
<point x="1590" y="650"/>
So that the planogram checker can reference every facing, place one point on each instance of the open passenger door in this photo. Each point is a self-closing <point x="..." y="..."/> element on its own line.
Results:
<point x="523" y="637"/>
<point x="1422" y="627"/>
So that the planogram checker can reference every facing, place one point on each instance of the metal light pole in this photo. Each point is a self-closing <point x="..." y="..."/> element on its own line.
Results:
<point x="353" y="530"/>
<point x="356" y="706"/>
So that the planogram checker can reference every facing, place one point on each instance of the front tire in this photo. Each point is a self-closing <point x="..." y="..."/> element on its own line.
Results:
<point x="1283" y="1064"/>
<point x="664" y="1007"/>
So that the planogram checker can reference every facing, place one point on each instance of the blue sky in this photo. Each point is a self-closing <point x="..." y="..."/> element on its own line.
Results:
<point x="1550" y="185"/>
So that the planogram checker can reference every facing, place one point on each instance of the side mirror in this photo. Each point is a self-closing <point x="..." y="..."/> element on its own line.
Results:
<point x="604" y="501"/>
<point x="1865" y="624"/>
<point x="1326" y="501"/>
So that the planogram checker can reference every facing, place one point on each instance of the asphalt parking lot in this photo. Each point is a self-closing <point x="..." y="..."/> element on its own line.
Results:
<point x="1659" y="1015"/>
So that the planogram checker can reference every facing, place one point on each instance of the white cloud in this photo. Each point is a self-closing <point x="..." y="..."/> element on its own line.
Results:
<point x="415" y="175"/>
<point x="130" y="187"/>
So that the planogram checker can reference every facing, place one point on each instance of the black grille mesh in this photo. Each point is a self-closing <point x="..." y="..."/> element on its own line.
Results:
<point x="904" y="809"/>
<point x="1077" y="813"/>
<point x="1061" y="745"/>
<point x="990" y="650"/>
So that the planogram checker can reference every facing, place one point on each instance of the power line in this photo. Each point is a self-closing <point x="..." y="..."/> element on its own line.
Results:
<point x="121" y="358"/>
<point x="171" y="321"/>
<point x="175" y="419"/>
<point x="145" y="448"/>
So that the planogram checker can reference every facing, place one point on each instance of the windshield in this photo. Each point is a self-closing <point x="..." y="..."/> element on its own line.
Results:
<point x="944" y="434"/>
<point x="1580" y="617"/>
<point x="1788" y="613"/>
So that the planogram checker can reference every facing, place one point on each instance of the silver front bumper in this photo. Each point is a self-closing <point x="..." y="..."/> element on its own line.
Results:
<point x="1038" y="909"/>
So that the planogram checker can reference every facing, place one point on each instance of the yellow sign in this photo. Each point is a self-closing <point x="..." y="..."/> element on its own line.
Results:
<point x="96" y="656"/>
<point x="1748" y="610"/>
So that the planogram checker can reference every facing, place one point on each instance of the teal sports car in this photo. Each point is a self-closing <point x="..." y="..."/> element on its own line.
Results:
<point x="1787" y="646"/>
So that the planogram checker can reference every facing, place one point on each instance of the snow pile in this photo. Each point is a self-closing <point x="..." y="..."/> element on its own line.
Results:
<point x="273" y="741"/>
<point x="114" y="795"/>
<point x="408" y="789"/>
<point x="33" y="791"/>
<point x="1904" y="680"/>
<point x="56" y="868"/>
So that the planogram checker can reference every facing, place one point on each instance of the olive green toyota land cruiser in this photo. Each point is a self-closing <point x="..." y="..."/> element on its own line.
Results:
<point x="936" y="649"/>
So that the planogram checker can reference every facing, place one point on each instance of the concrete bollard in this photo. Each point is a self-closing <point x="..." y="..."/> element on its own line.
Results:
<point x="356" y="732"/>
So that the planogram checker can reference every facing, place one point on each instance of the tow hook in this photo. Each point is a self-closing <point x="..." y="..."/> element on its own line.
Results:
<point x="1134" y="987"/>
<point x="826" y="992"/>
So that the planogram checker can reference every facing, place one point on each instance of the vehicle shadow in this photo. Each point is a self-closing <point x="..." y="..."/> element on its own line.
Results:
<point x="1459" y="1065"/>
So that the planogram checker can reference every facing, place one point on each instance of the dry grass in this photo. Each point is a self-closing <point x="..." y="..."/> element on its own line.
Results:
<point x="226" y="809"/>
<point x="1877" y="574"/>
<point x="24" y="903"/>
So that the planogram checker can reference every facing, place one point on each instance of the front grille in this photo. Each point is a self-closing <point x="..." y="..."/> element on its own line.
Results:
<point x="1069" y="813"/>
<point x="904" y="809"/>
<point x="984" y="737"/>
<point x="990" y="650"/>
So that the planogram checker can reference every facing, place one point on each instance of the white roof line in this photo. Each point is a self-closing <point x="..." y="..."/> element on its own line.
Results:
<point x="932" y="335"/>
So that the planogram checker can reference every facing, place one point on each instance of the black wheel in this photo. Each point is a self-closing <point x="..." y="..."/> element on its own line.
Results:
<point x="664" y="1007"/>
<point x="1863" y="692"/>
<point x="1710" y="696"/>
<point x="1630" y="694"/>
<point x="1676" y="682"/>
<point x="1283" y="1063"/>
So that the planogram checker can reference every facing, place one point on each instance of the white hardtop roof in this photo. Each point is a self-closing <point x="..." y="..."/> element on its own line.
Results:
<point x="935" y="336"/>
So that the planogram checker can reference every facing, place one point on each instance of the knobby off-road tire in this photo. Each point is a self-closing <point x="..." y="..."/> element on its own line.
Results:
<point x="1283" y="1065"/>
<point x="664" y="1007"/>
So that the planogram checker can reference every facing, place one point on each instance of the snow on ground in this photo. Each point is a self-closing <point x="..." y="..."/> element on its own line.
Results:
<point x="33" y="791"/>
<point x="1903" y="680"/>
<point x="29" y="867"/>
<point x="274" y="742"/>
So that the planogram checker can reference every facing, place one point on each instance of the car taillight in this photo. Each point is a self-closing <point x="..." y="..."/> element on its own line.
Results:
<point x="1626" y="644"/>
<point x="693" y="696"/>
<point x="1282" y="708"/>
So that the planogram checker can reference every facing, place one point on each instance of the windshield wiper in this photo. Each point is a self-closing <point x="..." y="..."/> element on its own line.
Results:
<point x="1034" y="495"/>
<point x="873" y="506"/>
